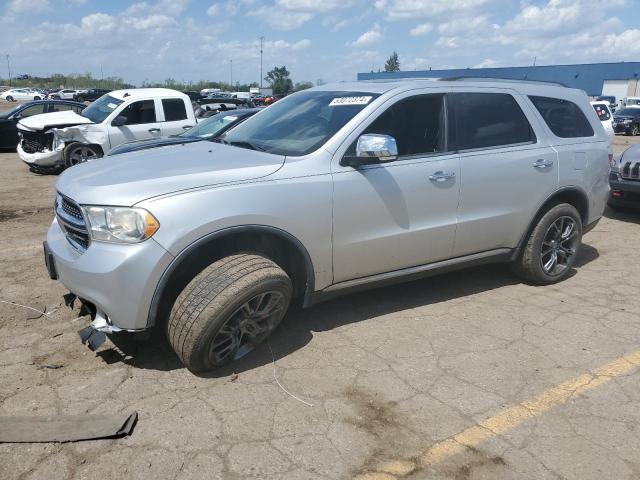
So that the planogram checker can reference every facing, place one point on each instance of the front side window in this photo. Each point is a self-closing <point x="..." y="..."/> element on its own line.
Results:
<point x="416" y="123"/>
<point x="140" y="112"/>
<point x="564" y="118"/>
<point x="485" y="120"/>
<point x="99" y="110"/>
<point x="174" y="109"/>
<point x="32" y="110"/>
<point x="299" y="124"/>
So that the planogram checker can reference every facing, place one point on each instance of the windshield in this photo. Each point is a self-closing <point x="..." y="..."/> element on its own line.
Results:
<point x="631" y="112"/>
<point x="299" y="124"/>
<point x="101" y="108"/>
<point x="212" y="126"/>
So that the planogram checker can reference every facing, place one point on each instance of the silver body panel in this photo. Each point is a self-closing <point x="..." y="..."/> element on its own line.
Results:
<point x="357" y="225"/>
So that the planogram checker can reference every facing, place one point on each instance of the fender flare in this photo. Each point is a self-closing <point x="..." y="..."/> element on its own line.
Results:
<point x="166" y="276"/>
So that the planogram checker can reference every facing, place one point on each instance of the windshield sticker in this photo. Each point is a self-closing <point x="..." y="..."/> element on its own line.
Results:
<point x="336" y="102"/>
<point x="111" y="105"/>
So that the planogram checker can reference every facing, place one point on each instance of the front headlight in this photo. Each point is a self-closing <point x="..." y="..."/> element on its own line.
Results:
<point x="120" y="224"/>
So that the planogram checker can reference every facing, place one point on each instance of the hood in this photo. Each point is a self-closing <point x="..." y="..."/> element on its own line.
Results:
<point x="53" y="119"/>
<point x="152" y="143"/>
<point x="132" y="177"/>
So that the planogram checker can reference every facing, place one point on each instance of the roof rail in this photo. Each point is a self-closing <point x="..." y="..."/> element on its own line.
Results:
<point x="505" y="80"/>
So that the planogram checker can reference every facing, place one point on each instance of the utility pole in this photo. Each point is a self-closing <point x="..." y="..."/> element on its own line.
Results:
<point x="261" y="40"/>
<point x="9" y="68"/>
<point x="231" y="73"/>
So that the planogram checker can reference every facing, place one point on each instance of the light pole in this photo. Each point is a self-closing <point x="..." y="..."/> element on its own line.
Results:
<point x="231" y="73"/>
<point x="9" y="68"/>
<point x="261" y="40"/>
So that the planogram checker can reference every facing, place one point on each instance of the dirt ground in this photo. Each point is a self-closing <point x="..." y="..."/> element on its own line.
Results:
<point x="467" y="375"/>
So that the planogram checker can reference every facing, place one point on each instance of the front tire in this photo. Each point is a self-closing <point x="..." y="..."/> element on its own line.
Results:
<point x="9" y="98"/>
<point x="636" y="130"/>
<point x="227" y="309"/>
<point x="37" y="98"/>
<point x="76" y="153"/>
<point x="552" y="247"/>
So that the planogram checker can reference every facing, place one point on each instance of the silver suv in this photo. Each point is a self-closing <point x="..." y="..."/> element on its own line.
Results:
<point x="329" y="190"/>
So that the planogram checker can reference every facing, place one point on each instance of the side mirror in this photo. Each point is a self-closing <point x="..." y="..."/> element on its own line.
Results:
<point x="373" y="148"/>
<point x="17" y="116"/>
<point x="119" y="121"/>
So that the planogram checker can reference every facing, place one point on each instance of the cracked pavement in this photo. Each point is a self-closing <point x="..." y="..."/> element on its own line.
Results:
<point x="389" y="372"/>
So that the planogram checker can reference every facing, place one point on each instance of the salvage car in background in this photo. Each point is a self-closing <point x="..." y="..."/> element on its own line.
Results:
<point x="91" y="94"/>
<point x="208" y="129"/>
<point x="627" y="121"/>
<point x="15" y="94"/>
<point x="64" y="94"/>
<point x="606" y="117"/>
<point x="9" y="120"/>
<point x="63" y="139"/>
<point x="624" y="179"/>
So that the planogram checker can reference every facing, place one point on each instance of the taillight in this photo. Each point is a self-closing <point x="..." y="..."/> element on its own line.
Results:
<point x="611" y="160"/>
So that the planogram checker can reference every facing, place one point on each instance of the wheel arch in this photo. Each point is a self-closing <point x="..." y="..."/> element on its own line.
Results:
<point x="572" y="195"/>
<point x="278" y="245"/>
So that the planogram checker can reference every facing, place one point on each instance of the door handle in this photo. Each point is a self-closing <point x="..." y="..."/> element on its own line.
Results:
<point x="187" y="127"/>
<point x="441" y="176"/>
<point x="542" y="163"/>
<point x="154" y="130"/>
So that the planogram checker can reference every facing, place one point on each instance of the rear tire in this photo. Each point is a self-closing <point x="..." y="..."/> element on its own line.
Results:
<point x="227" y="309"/>
<point x="552" y="247"/>
<point x="9" y="98"/>
<point x="636" y="130"/>
<point x="37" y="98"/>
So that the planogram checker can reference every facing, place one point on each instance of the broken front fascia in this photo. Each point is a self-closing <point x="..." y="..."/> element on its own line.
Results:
<point x="90" y="134"/>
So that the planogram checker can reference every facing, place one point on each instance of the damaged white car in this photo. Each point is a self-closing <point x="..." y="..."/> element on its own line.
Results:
<point x="53" y="141"/>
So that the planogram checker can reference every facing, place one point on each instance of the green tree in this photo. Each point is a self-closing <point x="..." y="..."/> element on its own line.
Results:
<point x="279" y="81"/>
<point x="392" y="64"/>
<point x="303" y="86"/>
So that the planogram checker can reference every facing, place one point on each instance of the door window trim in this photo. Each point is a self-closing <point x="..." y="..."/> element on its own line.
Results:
<point x="454" y="127"/>
<point x="402" y="159"/>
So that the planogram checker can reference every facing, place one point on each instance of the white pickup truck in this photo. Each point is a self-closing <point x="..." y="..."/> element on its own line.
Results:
<point x="52" y="141"/>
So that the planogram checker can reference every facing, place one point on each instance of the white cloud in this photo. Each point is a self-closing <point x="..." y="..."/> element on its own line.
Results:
<point x="98" y="22"/>
<point x="486" y="63"/>
<point x="214" y="10"/>
<point x="154" y="21"/>
<point x="163" y="7"/>
<point x="313" y="6"/>
<point x="422" y="29"/>
<point x="412" y="9"/>
<point x="28" y="6"/>
<point x="281" y="20"/>
<point x="368" y="38"/>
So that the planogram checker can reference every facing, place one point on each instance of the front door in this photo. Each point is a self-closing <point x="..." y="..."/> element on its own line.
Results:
<point x="507" y="169"/>
<point x="142" y="124"/>
<point x="403" y="213"/>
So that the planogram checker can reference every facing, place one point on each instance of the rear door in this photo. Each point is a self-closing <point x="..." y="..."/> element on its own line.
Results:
<point x="175" y="119"/>
<point x="507" y="168"/>
<point x="142" y="123"/>
<point x="402" y="213"/>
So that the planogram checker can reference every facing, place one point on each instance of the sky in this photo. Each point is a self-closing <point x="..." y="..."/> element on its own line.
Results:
<point x="328" y="40"/>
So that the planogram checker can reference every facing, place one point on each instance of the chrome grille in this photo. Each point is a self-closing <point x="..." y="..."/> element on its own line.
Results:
<point x="630" y="171"/>
<point x="72" y="222"/>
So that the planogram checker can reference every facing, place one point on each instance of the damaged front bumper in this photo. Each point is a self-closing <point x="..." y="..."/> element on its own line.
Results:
<point x="42" y="159"/>
<point x="117" y="281"/>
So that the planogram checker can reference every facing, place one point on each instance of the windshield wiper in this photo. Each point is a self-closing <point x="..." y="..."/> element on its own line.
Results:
<point x="248" y="145"/>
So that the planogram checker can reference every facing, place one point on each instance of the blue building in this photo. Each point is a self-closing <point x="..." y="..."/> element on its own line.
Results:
<point x="617" y="79"/>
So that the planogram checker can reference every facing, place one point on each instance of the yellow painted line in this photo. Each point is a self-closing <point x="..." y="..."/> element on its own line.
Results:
<point x="516" y="415"/>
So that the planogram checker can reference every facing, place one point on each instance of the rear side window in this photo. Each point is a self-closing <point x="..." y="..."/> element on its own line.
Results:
<point x="140" y="112"/>
<point x="174" y="109"/>
<point x="486" y="120"/>
<point x="564" y="118"/>
<point x="603" y="112"/>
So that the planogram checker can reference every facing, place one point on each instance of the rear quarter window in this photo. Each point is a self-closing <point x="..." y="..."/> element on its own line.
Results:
<point x="564" y="118"/>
